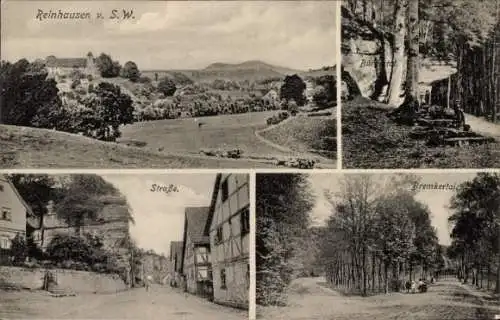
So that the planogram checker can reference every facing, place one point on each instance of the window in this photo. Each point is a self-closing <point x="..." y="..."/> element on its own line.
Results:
<point x="245" y="222"/>
<point x="202" y="273"/>
<point x="1" y="187"/>
<point x="218" y="235"/>
<point x="6" y="214"/>
<point x="223" y="279"/>
<point x="225" y="190"/>
<point x="5" y="243"/>
<point x="248" y="275"/>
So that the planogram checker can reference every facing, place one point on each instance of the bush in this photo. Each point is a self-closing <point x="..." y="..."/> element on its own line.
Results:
<point x="144" y="79"/>
<point x="19" y="250"/>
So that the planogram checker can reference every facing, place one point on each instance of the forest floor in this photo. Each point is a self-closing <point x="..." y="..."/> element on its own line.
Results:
<point x="371" y="140"/>
<point x="310" y="299"/>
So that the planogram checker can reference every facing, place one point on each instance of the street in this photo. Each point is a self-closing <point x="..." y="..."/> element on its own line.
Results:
<point x="161" y="302"/>
<point x="445" y="300"/>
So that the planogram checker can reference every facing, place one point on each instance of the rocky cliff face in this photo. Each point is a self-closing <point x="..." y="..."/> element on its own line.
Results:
<point x="366" y="56"/>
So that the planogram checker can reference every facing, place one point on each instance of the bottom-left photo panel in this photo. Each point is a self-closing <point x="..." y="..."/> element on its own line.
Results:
<point x="125" y="246"/>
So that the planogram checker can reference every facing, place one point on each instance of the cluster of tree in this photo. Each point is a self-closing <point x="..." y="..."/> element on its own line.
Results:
<point x="378" y="235"/>
<point x="436" y="29"/>
<point x="476" y="230"/>
<point x="26" y="94"/>
<point x="325" y="92"/>
<point x="112" y="69"/>
<point x="28" y="98"/>
<point x="283" y="203"/>
<point x="221" y="84"/>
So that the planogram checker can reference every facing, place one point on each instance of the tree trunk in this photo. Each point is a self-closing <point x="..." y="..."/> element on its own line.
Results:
<point x="386" y="276"/>
<point x="412" y="68"/>
<point x="398" y="52"/>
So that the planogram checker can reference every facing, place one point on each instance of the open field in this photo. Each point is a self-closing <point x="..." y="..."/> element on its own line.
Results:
<point x="371" y="140"/>
<point x="159" y="303"/>
<point x="23" y="147"/>
<point x="446" y="300"/>
<point x="185" y="136"/>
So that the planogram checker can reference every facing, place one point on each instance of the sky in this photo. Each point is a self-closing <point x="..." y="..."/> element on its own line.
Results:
<point x="177" y="34"/>
<point x="159" y="216"/>
<point x="436" y="200"/>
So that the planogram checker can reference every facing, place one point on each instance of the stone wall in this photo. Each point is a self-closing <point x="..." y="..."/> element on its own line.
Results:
<point x="80" y="282"/>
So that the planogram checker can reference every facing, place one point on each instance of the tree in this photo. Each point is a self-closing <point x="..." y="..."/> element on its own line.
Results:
<point x="84" y="197"/>
<point x="25" y="94"/>
<point x="167" y="87"/>
<point x="112" y="108"/>
<point x="107" y="67"/>
<point x="293" y="88"/>
<point x="476" y="225"/>
<point x="19" y="249"/>
<point x="283" y="203"/>
<point x="398" y="52"/>
<point x="130" y="71"/>
<point x="37" y="190"/>
<point x="412" y="69"/>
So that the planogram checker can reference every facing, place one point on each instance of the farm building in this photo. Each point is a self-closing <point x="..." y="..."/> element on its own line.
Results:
<point x="228" y="226"/>
<point x="196" y="253"/>
<point x="175" y="263"/>
<point x="64" y="66"/>
<point x="13" y="214"/>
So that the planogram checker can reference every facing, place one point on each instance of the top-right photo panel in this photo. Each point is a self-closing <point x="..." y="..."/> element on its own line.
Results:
<point x="420" y="84"/>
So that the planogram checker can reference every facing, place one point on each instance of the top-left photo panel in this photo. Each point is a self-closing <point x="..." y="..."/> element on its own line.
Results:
<point x="168" y="84"/>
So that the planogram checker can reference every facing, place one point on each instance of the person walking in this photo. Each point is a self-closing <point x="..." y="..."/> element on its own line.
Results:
<point x="148" y="282"/>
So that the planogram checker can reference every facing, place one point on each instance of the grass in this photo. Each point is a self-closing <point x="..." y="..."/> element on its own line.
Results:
<point x="371" y="140"/>
<point x="23" y="147"/>
<point x="306" y="134"/>
<point x="185" y="136"/>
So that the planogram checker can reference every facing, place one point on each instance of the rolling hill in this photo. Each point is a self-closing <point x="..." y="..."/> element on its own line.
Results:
<point x="24" y="147"/>
<point x="252" y="70"/>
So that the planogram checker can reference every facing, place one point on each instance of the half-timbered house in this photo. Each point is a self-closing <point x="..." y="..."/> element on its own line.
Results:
<point x="196" y="253"/>
<point x="228" y="226"/>
<point x="175" y="263"/>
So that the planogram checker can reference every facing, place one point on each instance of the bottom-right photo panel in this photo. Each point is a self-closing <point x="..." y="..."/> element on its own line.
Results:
<point x="378" y="246"/>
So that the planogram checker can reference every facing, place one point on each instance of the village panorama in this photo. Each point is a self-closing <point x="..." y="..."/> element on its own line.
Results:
<point x="100" y="106"/>
<point x="107" y="247"/>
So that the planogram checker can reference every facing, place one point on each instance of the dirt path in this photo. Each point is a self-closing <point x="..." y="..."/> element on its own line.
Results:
<point x="483" y="126"/>
<point x="446" y="300"/>
<point x="159" y="303"/>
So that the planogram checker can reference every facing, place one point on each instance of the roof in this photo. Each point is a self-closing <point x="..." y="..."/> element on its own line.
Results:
<point x="66" y="62"/>
<point x="196" y="218"/>
<point x="212" y="203"/>
<point x="24" y="203"/>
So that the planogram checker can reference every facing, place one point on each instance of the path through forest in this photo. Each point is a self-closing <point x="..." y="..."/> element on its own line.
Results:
<point x="445" y="300"/>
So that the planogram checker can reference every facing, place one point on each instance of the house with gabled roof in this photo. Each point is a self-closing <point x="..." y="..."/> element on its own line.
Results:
<point x="14" y="214"/>
<point x="228" y="227"/>
<point x="196" y="267"/>
<point x="175" y="264"/>
<point x="64" y="66"/>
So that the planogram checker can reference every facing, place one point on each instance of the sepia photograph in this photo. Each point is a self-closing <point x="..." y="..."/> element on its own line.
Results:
<point x="378" y="246"/>
<point x="169" y="84"/>
<point x="124" y="246"/>
<point x="422" y="79"/>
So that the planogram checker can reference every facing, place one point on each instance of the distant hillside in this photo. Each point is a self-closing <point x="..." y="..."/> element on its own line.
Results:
<point x="249" y="70"/>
